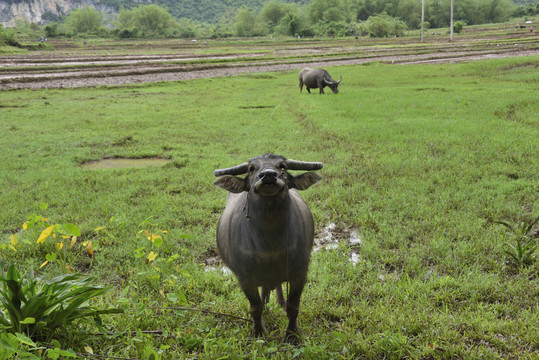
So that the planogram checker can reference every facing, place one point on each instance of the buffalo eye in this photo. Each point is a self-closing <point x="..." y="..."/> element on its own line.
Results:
<point x="251" y="168"/>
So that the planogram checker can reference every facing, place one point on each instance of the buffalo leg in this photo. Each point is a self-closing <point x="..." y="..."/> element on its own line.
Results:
<point x="292" y="310"/>
<point x="280" y="297"/>
<point x="320" y="86"/>
<point x="257" y="306"/>
<point x="265" y="295"/>
<point x="309" y="89"/>
<point x="278" y="294"/>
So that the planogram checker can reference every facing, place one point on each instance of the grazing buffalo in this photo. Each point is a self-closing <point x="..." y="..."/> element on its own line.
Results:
<point x="265" y="234"/>
<point x="317" y="78"/>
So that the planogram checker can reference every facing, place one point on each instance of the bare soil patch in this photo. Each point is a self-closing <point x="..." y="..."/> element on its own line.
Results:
<point x="120" y="163"/>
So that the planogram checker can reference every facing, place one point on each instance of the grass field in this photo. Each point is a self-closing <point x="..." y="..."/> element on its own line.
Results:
<point x="420" y="161"/>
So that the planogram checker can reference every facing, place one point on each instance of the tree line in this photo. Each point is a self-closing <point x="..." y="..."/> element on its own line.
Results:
<point x="318" y="18"/>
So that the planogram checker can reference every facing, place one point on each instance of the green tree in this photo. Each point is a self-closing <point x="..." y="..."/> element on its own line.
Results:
<point x="51" y="30"/>
<point x="8" y="37"/>
<point x="85" y="20"/>
<point x="186" y="28"/>
<point x="328" y="10"/>
<point x="27" y="29"/>
<point x="145" y="20"/>
<point x="273" y="12"/>
<point x="247" y="23"/>
<point x="291" y="24"/>
<point x="384" y="25"/>
<point x="410" y="12"/>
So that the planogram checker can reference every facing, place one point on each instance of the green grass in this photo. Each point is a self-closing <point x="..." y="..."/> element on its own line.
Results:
<point x="420" y="160"/>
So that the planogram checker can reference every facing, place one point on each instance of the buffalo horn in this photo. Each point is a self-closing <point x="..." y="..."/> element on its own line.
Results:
<point x="303" y="165"/>
<point x="235" y="170"/>
<point x="338" y="82"/>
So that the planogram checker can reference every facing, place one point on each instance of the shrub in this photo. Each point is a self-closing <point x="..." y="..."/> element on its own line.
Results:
<point x="383" y="25"/>
<point x="38" y="307"/>
<point x="331" y="28"/>
<point x="522" y="251"/>
<point x="458" y="26"/>
<point x="7" y="37"/>
<point x="51" y="30"/>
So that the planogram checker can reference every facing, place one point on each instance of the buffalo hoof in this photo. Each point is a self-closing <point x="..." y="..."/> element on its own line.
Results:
<point x="291" y="337"/>
<point x="259" y="332"/>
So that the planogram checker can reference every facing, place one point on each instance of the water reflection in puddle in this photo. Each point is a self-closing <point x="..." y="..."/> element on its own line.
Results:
<point x="120" y="163"/>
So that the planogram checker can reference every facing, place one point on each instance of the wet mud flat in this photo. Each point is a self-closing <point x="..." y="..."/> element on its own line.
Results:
<point x="122" y="163"/>
<point x="86" y="68"/>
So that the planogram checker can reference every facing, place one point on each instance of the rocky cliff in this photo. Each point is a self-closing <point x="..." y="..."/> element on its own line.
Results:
<point x="39" y="11"/>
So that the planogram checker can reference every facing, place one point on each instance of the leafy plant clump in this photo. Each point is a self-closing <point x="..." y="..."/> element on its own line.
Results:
<point x="458" y="26"/>
<point x="8" y="37"/>
<point x="39" y="307"/>
<point x="521" y="251"/>
<point x="383" y="25"/>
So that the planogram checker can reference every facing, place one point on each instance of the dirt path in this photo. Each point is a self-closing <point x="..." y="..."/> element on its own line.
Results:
<point x="49" y="70"/>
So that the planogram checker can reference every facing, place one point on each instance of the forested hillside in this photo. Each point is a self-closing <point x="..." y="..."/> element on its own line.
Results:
<point x="209" y="11"/>
<point x="471" y="11"/>
<point x="245" y="18"/>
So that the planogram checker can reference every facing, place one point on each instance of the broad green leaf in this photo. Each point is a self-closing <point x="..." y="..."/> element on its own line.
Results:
<point x="23" y="339"/>
<point x="53" y="354"/>
<point x="182" y="299"/>
<point x="158" y="242"/>
<point x="9" y="342"/>
<point x="50" y="257"/>
<point x="72" y="229"/>
<point x="28" y="320"/>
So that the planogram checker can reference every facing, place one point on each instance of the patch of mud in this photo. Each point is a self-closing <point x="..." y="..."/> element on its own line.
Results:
<point x="39" y="71"/>
<point x="120" y="163"/>
<point x="330" y="237"/>
<point x="214" y="263"/>
<point x="257" y="107"/>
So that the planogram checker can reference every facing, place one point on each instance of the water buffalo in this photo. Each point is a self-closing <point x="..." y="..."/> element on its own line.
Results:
<point x="317" y="78"/>
<point x="265" y="234"/>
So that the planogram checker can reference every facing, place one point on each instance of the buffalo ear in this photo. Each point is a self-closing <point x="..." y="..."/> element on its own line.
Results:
<point x="231" y="183"/>
<point x="304" y="181"/>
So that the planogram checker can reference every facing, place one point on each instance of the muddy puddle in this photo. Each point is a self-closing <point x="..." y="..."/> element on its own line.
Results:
<point x="330" y="237"/>
<point x="326" y="240"/>
<point x="121" y="163"/>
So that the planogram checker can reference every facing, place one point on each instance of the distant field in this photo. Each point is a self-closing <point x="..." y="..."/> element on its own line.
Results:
<point x="420" y="162"/>
<point x="104" y="62"/>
